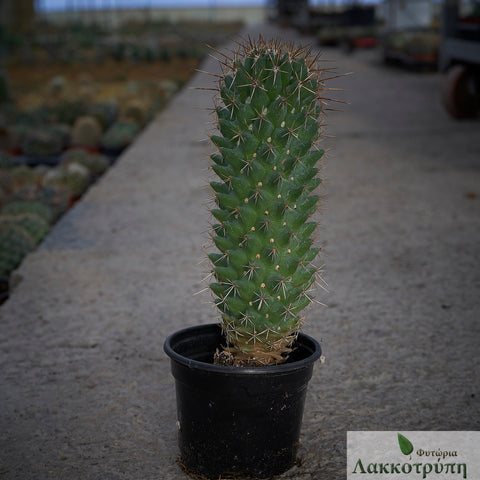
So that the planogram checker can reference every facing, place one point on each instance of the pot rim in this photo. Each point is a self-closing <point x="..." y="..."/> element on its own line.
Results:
<point x="308" y="342"/>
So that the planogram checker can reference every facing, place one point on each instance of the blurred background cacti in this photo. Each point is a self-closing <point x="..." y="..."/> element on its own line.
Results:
<point x="76" y="95"/>
<point x="28" y="207"/>
<point x="86" y="132"/>
<point x="55" y="198"/>
<point x="120" y="135"/>
<point x="15" y="243"/>
<point x="136" y="111"/>
<point x="73" y="177"/>
<point x="22" y="176"/>
<point x="41" y="142"/>
<point x="105" y="112"/>
<point x="96" y="163"/>
<point x="269" y="109"/>
<point x="33" y="223"/>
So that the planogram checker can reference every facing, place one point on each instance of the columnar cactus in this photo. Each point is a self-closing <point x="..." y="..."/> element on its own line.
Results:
<point x="269" y="109"/>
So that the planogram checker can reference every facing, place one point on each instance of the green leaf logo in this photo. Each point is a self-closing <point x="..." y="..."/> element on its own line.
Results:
<point x="405" y="445"/>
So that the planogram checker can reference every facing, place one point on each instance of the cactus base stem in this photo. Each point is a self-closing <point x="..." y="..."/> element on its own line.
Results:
<point x="233" y="357"/>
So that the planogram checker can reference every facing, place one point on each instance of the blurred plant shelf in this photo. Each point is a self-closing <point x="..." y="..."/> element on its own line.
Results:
<point x="412" y="47"/>
<point x="72" y="98"/>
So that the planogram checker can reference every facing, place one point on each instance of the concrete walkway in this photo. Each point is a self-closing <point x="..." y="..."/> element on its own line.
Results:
<point x="85" y="388"/>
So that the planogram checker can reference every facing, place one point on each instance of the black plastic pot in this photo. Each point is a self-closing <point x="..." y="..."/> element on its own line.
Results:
<point x="237" y="421"/>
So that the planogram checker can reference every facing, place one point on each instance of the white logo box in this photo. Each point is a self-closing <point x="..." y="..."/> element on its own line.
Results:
<point x="413" y="455"/>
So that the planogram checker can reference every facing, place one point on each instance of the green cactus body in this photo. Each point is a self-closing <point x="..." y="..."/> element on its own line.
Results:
<point x="120" y="135"/>
<point x="67" y="111"/>
<point x="77" y="155"/>
<point x="15" y="243"/>
<point x="105" y="113"/>
<point x="34" y="224"/>
<point x="269" y="122"/>
<point x="55" y="198"/>
<point x="97" y="164"/>
<point x="135" y="111"/>
<point x="86" y="132"/>
<point x="23" y="176"/>
<point x="40" y="142"/>
<point x="63" y="131"/>
<point x="28" y="207"/>
<point x="74" y="177"/>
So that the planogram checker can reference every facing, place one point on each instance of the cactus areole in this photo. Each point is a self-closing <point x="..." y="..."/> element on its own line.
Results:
<point x="269" y="109"/>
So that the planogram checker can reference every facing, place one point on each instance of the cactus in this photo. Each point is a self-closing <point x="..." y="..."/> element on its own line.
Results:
<point x="86" y="132"/>
<point x="41" y="142"/>
<point x="24" y="207"/>
<point x="23" y="176"/>
<point x="74" y="177"/>
<point x="63" y="131"/>
<point x="105" y="113"/>
<point x="13" y="180"/>
<point x="97" y="164"/>
<point x="268" y="117"/>
<point x="120" y="135"/>
<point x="135" y="110"/>
<point x="77" y="155"/>
<point x="55" y="198"/>
<point x="34" y="224"/>
<point x="15" y="243"/>
<point x="67" y="111"/>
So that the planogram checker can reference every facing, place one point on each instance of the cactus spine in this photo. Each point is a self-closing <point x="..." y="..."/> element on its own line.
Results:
<point x="269" y="110"/>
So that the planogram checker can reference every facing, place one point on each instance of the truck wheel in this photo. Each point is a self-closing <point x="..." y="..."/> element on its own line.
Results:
<point x="460" y="92"/>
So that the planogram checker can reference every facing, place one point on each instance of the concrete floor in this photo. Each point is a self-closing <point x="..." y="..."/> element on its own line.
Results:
<point x="86" y="390"/>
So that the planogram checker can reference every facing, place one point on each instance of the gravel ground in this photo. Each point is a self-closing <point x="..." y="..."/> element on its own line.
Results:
<point x="86" y="391"/>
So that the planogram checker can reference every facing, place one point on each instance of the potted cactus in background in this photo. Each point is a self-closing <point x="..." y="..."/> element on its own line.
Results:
<point x="241" y="385"/>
